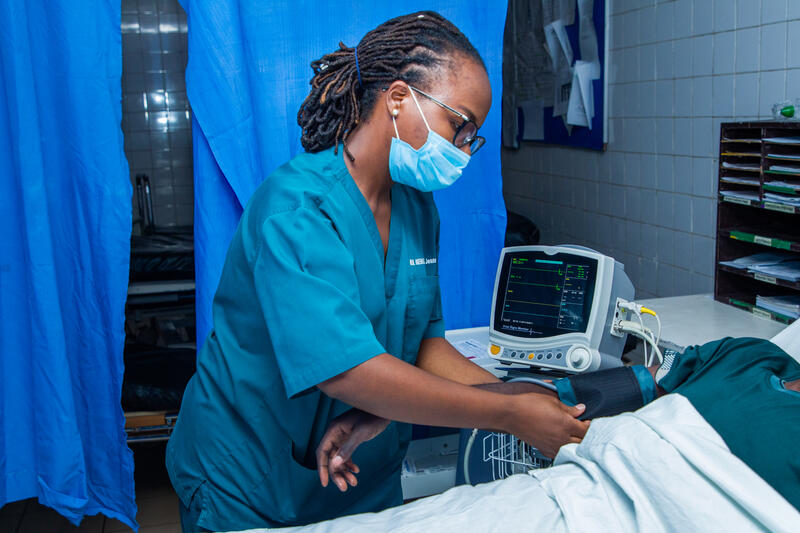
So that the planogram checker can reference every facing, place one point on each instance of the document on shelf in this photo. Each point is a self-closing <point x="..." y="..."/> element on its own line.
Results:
<point x="782" y="198"/>
<point x="741" y="166"/>
<point x="788" y="157"/>
<point x="785" y="168"/>
<point x="788" y="305"/>
<point x="787" y="270"/>
<point x="744" y="195"/>
<point x="764" y="258"/>
<point x="739" y="181"/>
<point x="782" y="140"/>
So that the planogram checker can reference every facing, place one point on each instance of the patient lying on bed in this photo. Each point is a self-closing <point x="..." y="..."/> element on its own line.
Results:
<point x="721" y="451"/>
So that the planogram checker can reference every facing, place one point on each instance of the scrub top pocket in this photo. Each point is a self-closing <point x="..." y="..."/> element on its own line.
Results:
<point x="423" y="306"/>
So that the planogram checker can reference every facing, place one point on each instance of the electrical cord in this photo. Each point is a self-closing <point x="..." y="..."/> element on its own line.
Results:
<point x="471" y="441"/>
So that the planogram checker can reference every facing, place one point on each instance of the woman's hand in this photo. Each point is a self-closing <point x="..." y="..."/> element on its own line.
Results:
<point x="546" y="423"/>
<point x="345" y="433"/>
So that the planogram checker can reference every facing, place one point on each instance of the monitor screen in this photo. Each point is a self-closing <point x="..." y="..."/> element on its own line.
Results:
<point x="541" y="295"/>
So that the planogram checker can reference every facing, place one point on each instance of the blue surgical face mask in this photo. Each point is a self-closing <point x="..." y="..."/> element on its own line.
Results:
<point x="436" y="165"/>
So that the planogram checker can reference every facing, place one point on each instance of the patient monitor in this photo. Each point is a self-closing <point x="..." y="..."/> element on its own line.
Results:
<point x="553" y="308"/>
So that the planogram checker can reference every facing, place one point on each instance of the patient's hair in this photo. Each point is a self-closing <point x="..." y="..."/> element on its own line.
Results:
<point x="408" y="48"/>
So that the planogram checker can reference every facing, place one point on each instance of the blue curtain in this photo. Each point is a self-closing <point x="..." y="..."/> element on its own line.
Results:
<point x="247" y="75"/>
<point x="65" y="205"/>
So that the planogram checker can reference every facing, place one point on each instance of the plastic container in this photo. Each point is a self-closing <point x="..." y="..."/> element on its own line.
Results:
<point x="787" y="110"/>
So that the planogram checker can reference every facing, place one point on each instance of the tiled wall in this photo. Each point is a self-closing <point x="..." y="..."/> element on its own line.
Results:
<point x="677" y="69"/>
<point x="156" y="119"/>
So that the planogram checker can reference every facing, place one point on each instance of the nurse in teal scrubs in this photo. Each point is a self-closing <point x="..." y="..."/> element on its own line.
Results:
<point x="328" y="306"/>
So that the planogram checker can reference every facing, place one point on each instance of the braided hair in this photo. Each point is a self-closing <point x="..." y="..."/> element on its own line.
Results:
<point x="347" y="82"/>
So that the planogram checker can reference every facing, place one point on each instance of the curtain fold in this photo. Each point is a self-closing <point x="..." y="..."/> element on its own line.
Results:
<point x="247" y="75"/>
<point x="65" y="205"/>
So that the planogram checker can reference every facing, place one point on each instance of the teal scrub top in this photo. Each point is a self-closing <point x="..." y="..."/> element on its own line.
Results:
<point x="737" y="385"/>
<point x="305" y="294"/>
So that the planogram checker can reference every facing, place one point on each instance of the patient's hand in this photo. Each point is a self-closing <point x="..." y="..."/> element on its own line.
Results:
<point x="343" y="436"/>
<point x="546" y="423"/>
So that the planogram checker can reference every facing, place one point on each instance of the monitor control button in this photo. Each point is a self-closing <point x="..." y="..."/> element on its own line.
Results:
<point x="579" y="358"/>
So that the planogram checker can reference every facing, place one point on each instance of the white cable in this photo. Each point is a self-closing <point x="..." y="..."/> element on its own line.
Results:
<point x="467" y="451"/>
<point x="645" y="334"/>
<point x="535" y="381"/>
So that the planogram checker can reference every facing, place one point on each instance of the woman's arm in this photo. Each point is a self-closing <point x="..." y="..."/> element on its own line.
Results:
<point x="390" y="388"/>
<point x="438" y="357"/>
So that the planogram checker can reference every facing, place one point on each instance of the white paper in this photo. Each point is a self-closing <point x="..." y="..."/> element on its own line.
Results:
<point x="471" y="348"/>
<point x="583" y="70"/>
<point x="576" y="112"/>
<point x="561" y="91"/>
<point x="533" y="120"/>
<point x="581" y="100"/>
<point x="558" y="45"/>
<point x="587" y="37"/>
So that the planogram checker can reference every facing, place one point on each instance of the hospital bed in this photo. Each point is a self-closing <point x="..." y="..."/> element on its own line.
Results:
<point x="661" y="468"/>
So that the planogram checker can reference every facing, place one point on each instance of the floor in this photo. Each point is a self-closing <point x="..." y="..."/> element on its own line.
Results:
<point x="157" y="502"/>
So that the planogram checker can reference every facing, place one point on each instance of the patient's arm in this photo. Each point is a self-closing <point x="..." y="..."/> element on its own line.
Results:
<point x="518" y="387"/>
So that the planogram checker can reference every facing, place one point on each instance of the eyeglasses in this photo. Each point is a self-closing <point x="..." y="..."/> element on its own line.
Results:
<point x="466" y="133"/>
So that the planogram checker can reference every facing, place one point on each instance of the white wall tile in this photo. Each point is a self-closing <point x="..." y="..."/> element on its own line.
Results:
<point x="773" y="10"/>
<point x="793" y="10"/>
<point x="773" y="46"/>
<point x="666" y="173"/>
<point x="724" y="15"/>
<point x="701" y="95"/>
<point x="703" y="216"/>
<point x="793" y="82"/>
<point x="702" y="284"/>
<point x="664" y="16"/>
<point x="747" y="49"/>
<point x="703" y="252"/>
<point x="683" y="213"/>
<point x="664" y="99"/>
<point x="647" y="62"/>
<point x="702" y="56"/>
<point x="647" y="23"/>
<point x="703" y="176"/>
<point x="683" y="174"/>
<point x="793" y="47"/>
<point x="683" y="252"/>
<point x="683" y="58"/>
<point x="664" y="60"/>
<point x="724" y="52"/>
<point x="702" y="17"/>
<point x="682" y="19"/>
<point x="683" y="97"/>
<point x="648" y="180"/>
<point x="682" y="139"/>
<point x="702" y="137"/>
<point x="683" y="282"/>
<point x="664" y="136"/>
<point x="746" y="95"/>
<point x="772" y="87"/>
<point x="748" y="13"/>
<point x="722" y="104"/>
<point x="630" y="21"/>
<point x="666" y="239"/>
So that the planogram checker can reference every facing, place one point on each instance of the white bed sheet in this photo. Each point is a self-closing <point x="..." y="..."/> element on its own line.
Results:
<point x="662" y="468"/>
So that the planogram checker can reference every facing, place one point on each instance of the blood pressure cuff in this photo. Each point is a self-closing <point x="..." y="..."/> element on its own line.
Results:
<point x="608" y="392"/>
